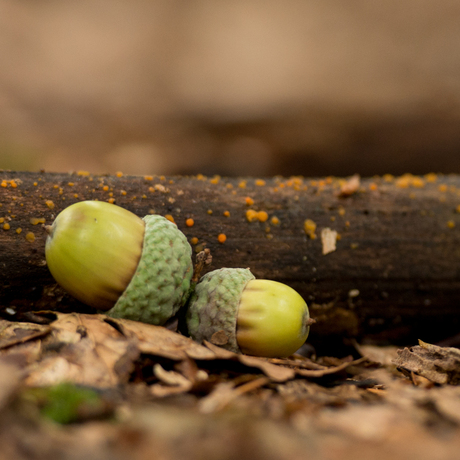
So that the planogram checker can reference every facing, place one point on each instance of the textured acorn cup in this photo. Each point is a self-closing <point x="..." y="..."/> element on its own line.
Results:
<point x="232" y="309"/>
<point x="110" y="259"/>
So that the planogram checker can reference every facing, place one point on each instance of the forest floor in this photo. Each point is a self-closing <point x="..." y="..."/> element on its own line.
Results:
<point x="84" y="386"/>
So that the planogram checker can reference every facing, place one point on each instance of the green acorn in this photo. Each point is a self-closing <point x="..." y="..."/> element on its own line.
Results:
<point x="110" y="259"/>
<point x="230" y="308"/>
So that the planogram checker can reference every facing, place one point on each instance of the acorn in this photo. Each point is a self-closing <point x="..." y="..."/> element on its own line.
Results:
<point x="232" y="309"/>
<point x="109" y="258"/>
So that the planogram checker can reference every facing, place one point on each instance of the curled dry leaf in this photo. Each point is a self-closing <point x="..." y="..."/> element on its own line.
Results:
<point x="438" y="364"/>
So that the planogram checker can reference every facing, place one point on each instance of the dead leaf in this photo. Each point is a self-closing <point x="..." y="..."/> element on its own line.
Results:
<point x="438" y="364"/>
<point x="12" y="333"/>
<point x="276" y="373"/>
<point x="159" y="341"/>
<point x="10" y="376"/>
<point x="91" y="352"/>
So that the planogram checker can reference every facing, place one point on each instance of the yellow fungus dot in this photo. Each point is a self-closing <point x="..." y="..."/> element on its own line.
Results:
<point x="418" y="182"/>
<point x="194" y="240"/>
<point x="373" y="186"/>
<point x="189" y="222"/>
<point x="50" y="204"/>
<point x="251" y="215"/>
<point x="274" y="220"/>
<point x="209" y="211"/>
<point x="2" y="219"/>
<point x="75" y="195"/>
<point x="37" y="220"/>
<point x="260" y="182"/>
<point x="458" y="208"/>
<point x="18" y="230"/>
<point x="70" y="184"/>
<point x="442" y="188"/>
<point x="332" y="218"/>
<point x="242" y="184"/>
<point x="388" y="177"/>
<point x="30" y="237"/>
<point x="431" y="177"/>
<point x="82" y="173"/>
<point x="227" y="213"/>
<point x="404" y="181"/>
<point x="249" y="201"/>
<point x="143" y="196"/>
<point x="111" y="200"/>
<point x="354" y="245"/>
<point x="151" y="189"/>
<point x="347" y="223"/>
<point x="229" y="186"/>
<point x="215" y="180"/>
<point x="6" y="226"/>
<point x="4" y="183"/>
<point x="55" y="186"/>
<point x="451" y="224"/>
<point x="105" y="188"/>
<point x="119" y="174"/>
<point x="162" y="178"/>
<point x="35" y="184"/>
<point x="222" y="238"/>
<point x="310" y="228"/>
<point x="341" y="211"/>
<point x="148" y="177"/>
<point x="170" y="218"/>
<point x="123" y="192"/>
<point x="13" y="184"/>
<point x="110" y="194"/>
<point x="262" y="216"/>
<point x="200" y="177"/>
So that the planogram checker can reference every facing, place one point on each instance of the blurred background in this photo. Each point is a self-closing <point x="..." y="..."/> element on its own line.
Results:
<point x="235" y="87"/>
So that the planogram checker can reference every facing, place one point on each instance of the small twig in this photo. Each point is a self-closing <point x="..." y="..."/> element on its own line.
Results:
<point x="203" y="259"/>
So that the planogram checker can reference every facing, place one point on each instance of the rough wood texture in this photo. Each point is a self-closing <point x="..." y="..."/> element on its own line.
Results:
<point x="394" y="275"/>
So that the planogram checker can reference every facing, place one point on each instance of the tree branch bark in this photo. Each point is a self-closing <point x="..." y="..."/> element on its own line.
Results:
<point x="394" y="275"/>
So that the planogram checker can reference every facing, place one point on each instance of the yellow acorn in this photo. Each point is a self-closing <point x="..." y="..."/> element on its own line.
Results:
<point x="110" y="259"/>
<point x="231" y="308"/>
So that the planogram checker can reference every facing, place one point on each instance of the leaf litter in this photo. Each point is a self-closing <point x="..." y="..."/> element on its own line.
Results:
<point x="103" y="379"/>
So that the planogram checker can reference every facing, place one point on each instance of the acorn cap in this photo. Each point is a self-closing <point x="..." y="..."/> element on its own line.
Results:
<point x="213" y="306"/>
<point x="161" y="283"/>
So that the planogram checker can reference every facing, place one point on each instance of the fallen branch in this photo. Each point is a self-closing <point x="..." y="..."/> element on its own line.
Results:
<point x="392" y="273"/>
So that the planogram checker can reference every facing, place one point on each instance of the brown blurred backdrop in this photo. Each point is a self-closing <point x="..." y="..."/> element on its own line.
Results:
<point x="235" y="87"/>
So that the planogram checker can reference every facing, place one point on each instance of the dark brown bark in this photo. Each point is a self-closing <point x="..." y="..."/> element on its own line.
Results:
<point x="395" y="274"/>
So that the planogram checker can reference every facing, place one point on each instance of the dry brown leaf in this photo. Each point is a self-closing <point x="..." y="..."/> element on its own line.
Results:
<point x="15" y="333"/>
<point x="275" y="372"/>
<point x="159" y="341"/>
<point x="10" y="377"/>
<point x="91" y="352"/>
<point x="438" y="364"/>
